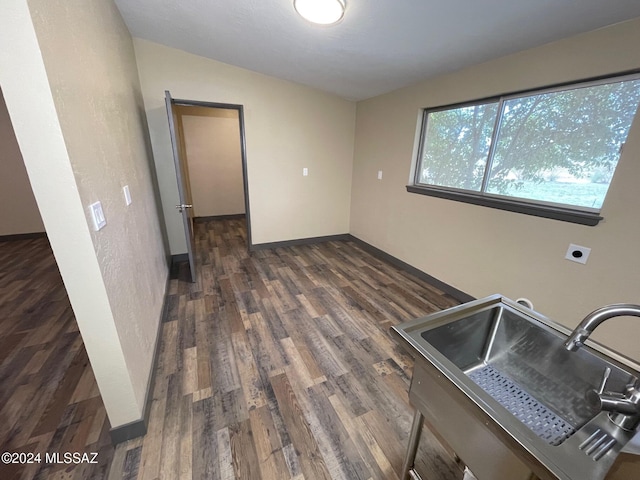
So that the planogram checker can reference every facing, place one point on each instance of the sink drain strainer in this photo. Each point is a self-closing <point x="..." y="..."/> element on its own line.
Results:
<point x="542" y="421"/>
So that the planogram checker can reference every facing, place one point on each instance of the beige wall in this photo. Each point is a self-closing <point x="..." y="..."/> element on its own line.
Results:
<point x="70" y="81"/>
<point x="18" y="210"/>
<point x="288" y="127"/>
<point x="481" y="250"/>
<point x="213" y="154"/>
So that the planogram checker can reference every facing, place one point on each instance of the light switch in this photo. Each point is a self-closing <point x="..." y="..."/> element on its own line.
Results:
<point x="379" y="174"/>
<point x="305" y="172"/>
<point x="97" y="214"/>
<point x="127" y="194"/>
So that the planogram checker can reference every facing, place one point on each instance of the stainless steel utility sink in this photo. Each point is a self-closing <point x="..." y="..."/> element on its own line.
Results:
<point x="495" y="380"/>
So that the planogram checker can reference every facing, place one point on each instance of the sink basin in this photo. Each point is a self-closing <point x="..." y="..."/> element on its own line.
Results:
<point x="503" y="367"/>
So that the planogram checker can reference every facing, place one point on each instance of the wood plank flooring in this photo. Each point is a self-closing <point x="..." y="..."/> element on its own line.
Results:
<point x="49" y="400"/>
<point x="279" y="365"/>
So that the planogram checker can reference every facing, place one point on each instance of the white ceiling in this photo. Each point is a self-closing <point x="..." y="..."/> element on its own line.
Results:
<point x="379" y="46"/>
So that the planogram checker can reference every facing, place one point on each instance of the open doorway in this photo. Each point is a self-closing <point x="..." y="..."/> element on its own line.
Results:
<point x="19" y="214"/>
<point x="209" y="145"/>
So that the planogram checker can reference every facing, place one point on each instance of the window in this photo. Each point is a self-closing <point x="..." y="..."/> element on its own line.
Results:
<point x="549" y="152"/>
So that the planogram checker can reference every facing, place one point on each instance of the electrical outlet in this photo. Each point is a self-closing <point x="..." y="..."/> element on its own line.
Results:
<point x="577" y="253"/>
<point x="305" y="172"/>
<point x="379" y="174"/>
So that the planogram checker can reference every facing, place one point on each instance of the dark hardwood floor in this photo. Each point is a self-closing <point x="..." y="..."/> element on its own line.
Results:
<point x="279" y="365"/>
<point x="49" y="400"/>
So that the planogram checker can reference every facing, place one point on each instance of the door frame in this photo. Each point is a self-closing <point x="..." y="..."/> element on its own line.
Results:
<point x="243" y="150"/>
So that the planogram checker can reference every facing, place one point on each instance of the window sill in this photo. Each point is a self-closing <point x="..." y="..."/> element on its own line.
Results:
<point x="511" y="205"/>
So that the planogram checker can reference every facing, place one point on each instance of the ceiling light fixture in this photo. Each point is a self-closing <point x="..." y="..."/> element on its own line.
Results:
<point x="323" y="12"/>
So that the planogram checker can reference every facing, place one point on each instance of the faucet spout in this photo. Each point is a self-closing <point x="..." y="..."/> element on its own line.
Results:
<point x="595" y="318"/>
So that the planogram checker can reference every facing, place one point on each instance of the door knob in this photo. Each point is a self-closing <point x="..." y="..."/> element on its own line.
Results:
<point x="183" y="205"/>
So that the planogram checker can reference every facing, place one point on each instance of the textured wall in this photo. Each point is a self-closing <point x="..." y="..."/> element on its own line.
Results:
<point x="18" y="210"/>
<point x="288" y="127"/>
<point x="481" y="250"/>
<point x="72" y="90"/>
<point x="97" y="96"/>
<point x="212" y="141"/>
<point x="37" y="127"/>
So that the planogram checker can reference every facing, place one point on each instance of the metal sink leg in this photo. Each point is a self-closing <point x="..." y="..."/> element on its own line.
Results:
<point x="408" y="473"/>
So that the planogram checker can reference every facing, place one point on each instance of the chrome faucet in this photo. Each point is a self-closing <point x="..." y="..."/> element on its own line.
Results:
<point x="595" y="318"/>
<point x="623" y="408"/>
